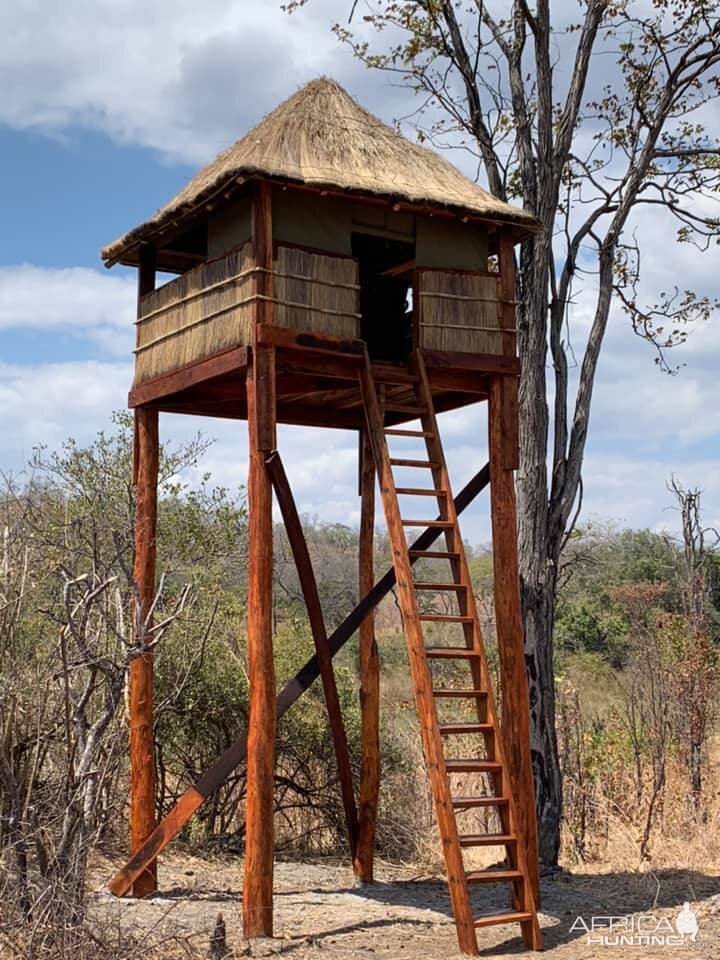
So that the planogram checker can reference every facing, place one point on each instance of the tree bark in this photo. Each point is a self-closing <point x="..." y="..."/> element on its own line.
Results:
<point x="538" y="550"/>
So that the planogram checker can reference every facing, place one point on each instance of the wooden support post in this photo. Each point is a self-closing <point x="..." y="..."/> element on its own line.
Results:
<point x="369" y="675"/>
<point x="259" y="830"/>
<point x="140" y="680"/>
<point x="508" y="622"/>
<point x="215" y="776"/>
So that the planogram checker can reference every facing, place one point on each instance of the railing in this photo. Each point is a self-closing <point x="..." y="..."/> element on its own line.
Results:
<point x="210" y="308"/>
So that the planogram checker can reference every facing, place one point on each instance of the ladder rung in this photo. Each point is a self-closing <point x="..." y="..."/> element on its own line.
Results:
<point x="419" y="492"/>
<point x="469" y="694"/>
<point x="443" y="524"/>
<point x="498" y="918"/>
<point x="486" y="840"/>
<point x="429" y="464"/>
<point x="472" y="766"/>
<point x="457" y="587"/>
<point x="444" y="618"/>
<point x="493" y="876"/>
<point x="462" y="802"/>
<point x="435" y="554"/>
<point x="446" y="729"/>
<point x="451" y="653"/>
<point x="394" y="432"/>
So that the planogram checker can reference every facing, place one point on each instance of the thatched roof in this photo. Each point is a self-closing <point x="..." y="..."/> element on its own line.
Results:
<point x="321" y="137"/>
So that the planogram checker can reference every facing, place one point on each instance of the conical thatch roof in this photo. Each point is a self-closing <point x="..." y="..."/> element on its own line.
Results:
<point x="321" y="137"/>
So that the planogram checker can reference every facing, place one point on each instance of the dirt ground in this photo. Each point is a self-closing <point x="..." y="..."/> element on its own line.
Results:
<point x="319" y="912"/>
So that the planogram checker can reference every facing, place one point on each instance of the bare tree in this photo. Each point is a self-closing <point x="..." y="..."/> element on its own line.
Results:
<point x="584" y="122"/>
<point x="696" y="671"/>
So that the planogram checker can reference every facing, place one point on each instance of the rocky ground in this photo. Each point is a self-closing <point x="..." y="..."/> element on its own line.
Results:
<point x="319" y="912"/>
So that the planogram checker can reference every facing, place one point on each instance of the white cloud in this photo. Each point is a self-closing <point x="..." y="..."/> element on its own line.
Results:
<point x="182" y="77"/>
<point x="76" y="301"/>
<point x="46" y="403"/>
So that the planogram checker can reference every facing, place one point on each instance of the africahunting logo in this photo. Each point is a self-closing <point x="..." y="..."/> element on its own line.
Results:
<point x="646" y="930"/>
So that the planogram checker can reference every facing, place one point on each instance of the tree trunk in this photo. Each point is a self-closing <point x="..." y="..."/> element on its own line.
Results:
<point x="537" y="548"/>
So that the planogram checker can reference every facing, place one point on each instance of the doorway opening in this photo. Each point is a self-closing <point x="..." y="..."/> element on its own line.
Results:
<point x="385" y="267"/>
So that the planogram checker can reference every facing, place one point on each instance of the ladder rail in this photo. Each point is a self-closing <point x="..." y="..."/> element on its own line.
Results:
<point x="422" y="677"/>
<point x="523" y="898"/>
<point x="434" y="734"/>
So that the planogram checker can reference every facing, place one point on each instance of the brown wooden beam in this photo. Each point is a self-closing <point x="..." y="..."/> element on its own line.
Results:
<point x="509" y="630"/>
<point x="369" y="668"/>
<point x="233" y="361"/>
<point x="290" y="339"/>
<point x="140" y="678"/>
<point x="259" y="805"/>
<point x="308" y="585"/>
<point x="193" y="798"/>
<point x="489" y="363"/>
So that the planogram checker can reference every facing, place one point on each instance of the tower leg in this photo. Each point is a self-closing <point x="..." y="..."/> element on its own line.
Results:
<point x="140" y="680"/>
<point x="259" y="828"/>
<point x="516" y="710"/>
<point x="369" y="676"/>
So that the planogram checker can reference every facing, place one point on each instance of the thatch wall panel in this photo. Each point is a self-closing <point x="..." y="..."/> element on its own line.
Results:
<point x="207" y="309"/>
<point x="459" y="312"/>
<point x="211" y="308"/>
<point x="324" y="290"/>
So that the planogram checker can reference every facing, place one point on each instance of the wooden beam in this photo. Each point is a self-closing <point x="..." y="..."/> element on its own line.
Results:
<point x="193" y="798"/>
<point x="308" y="585"/>
<point x="490" y="363"/>
<point x="259" y="801"/>
<point x="224" y="363"/>
<point x="510" y="641"/>
<point x="140" y="678"/>
<point x="290" y="339"/>
<point x="369" y="668"/>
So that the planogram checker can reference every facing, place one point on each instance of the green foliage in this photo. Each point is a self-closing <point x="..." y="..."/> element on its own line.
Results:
<point x="591" y="625"/>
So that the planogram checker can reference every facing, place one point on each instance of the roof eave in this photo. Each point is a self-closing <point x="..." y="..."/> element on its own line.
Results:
<point x="124" y="249"/>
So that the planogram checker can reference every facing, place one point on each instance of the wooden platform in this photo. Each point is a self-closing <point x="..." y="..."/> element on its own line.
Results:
<point x="317" y="382"/>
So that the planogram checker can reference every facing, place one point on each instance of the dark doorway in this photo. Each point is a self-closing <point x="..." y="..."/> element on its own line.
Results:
<point x="385" y="299"/>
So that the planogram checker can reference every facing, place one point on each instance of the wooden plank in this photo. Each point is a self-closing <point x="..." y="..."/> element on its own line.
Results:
<point x="223" y="363"/>
<point x="235" y="754"/>
<point x="510" y="437"/>
<point x="140" y="674"/>
<point x="422" y="678"/>
<point x="369" y="668"/>
<point x="464" y="381"/>
<point x="509" y="630"/>
<point x="306" y="361"/>
<point x="291" y="339"/>
<point x="308" y="584"/>
<point x="489" y="363"/>
<point x="259" y="828"/>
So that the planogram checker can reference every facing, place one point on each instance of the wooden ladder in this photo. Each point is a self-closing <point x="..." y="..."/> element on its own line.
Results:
<point x="478" y="691"/>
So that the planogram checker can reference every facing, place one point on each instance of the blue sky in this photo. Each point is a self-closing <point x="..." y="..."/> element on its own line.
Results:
<point x="100" y="125"/>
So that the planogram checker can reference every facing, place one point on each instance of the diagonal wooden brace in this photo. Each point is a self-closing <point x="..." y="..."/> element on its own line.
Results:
<point x="193" y="798"/>
<point x="308" y="584"/>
